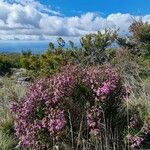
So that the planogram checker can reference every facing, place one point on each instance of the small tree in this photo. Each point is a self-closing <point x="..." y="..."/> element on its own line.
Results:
<point x="141" y="34"/>
<point x="95" y="46"/>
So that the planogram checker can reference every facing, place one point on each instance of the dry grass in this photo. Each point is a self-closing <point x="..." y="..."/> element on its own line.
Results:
<point x="8" y="87"/>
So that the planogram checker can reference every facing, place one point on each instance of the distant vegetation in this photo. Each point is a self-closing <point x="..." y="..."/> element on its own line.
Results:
<point x="96" y="97"/>
<point x="96" y="49"/>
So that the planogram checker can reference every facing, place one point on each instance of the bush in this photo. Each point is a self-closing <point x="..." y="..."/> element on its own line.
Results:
<point x="8" y="61"/>
<point x="50" y="63"/>
<point x="139" y="112"/>
<point x="94" y="47"/>
<point x="73" y="106"/>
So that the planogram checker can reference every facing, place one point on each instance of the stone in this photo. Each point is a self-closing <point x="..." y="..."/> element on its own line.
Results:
<point x="24" y="81"/>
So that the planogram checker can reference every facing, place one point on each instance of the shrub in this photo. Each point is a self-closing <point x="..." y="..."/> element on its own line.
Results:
<point x="141" y="34"/>
<point x="94" y="47"/>
<point x="8" y="61"/>
<point x="5" y="66"/>
<point x="73" y="106"/>
<point x="139" y="128"/>
<point x="139" y="118"/>
<point x="50" y="63"/>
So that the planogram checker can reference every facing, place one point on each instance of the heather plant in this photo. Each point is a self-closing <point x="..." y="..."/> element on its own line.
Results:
<point x="139" y="128"/>
<point x="139" y="112"/>
<point x="73" y="106"/>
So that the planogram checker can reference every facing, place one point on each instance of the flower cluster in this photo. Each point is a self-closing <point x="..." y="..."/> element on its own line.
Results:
<point x="54" y="120"/>
<point x="146" y="127"/>
<point x="133" y="122"/>
<point x="94" y="118"/>
<point x="135" y="141"/>
<point x="140" y="139"/>
<point x="42" y="114"/>
<point x="103" y="82"/>
<point x="39" y="110"/>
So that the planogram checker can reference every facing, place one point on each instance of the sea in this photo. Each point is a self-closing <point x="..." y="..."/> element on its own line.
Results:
<point x="36" y="47"/>
<point x="19" y="46"/>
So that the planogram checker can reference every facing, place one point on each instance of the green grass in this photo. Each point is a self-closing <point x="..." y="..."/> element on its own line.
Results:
<point x="6" y="141"/>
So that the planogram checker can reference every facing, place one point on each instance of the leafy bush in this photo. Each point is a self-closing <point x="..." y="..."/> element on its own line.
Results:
<point x="73" y="106"/>
<point x="94" y="47"/>
<point x="50" y="63"/>
<point x="8" y="61"/>
<point x="144" y="63"/>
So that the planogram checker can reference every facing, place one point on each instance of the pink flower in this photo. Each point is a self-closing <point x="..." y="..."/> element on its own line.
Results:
<point x="105" y="89"/>
<point x="135" y="141"/>
<point x="44" y="108"/>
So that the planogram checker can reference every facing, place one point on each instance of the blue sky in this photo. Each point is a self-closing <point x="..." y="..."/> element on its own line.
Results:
<point x="104" y="7"/>
<point x="70" y="19"/>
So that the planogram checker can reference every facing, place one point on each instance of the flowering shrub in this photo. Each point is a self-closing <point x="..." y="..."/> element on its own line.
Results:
<point x="55" y="106"/>
<point x="135" y="141"/>
<point x="138" y="127"/>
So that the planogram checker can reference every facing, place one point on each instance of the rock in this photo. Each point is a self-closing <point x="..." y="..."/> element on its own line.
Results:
<point x="24" y="81"/>
<point x="18" y="72"/>
<point x="27" y="79"/>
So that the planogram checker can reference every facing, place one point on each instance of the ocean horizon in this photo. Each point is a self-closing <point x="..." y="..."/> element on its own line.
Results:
<point x="19" y="46"/>
<point x="33" y="46"/>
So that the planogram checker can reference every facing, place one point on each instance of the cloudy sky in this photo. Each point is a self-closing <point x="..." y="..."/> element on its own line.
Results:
<point x="47" y="19"/>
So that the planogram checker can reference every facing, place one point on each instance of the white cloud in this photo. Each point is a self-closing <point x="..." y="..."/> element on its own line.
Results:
<point x="29" y="19"/>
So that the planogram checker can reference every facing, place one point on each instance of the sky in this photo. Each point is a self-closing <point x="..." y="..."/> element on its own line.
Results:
<point x="70" y="19"/>
<point x="104" y="7"/>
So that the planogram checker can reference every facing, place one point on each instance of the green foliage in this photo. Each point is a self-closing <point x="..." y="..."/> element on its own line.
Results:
<point x="71" y="44"/>
<point x="8" y="61"/>
<point x="144" y="67"/>
<point x="95" y="45"/>
<point x="96" y="49"/>
<point x="25" y="59"/>
<point x="50" y="63"/>
<point x="7" y="139"/>
<point x="61" y="42"/>
<point x="51" y="46"/>
<point x="141" y="36"/>
<point x="51" y="60"/>
<point x="6" y="142"/>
